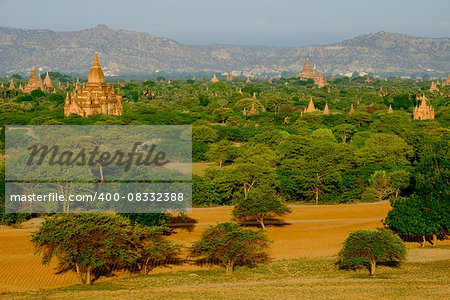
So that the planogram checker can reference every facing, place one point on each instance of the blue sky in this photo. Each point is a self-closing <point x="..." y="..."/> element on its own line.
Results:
<point x="249" y="22"/>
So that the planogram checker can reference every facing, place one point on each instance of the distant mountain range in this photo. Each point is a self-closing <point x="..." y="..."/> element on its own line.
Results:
<point x="123" y="52"/>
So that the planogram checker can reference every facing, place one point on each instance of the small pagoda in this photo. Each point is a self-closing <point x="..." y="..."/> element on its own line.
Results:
<point x="310" y="107"/>
<point x="48" y="82"/>
<point x="11" y="85"/>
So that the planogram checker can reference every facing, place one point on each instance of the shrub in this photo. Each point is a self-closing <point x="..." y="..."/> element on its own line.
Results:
<point x="364" y="248"/>
<point x="259" y="205"/>
<point x="231" y="245"/>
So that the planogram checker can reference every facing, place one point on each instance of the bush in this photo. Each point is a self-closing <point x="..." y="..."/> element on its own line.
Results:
<point x="145" y="219"/>
<point x="231" y="245"/>
<point x="199" y="150"/>
<point x="259" y="205"/>
<point x="364" y="248"/>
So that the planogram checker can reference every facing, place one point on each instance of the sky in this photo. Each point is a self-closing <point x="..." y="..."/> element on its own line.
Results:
<point x="244" y="22"/>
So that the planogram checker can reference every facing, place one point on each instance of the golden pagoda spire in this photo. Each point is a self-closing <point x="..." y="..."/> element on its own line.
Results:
<point x="96" y="74"/>
<point x="48" y="82"/>
<point x="11" y="85"/>
<point x="352" y="110"/>
<point x="311" y="107"/>
<point x="307" y="65"/>
<point x="390" y="110"/>
<point x="214" y="79"/>
<point x="326" y="110"/>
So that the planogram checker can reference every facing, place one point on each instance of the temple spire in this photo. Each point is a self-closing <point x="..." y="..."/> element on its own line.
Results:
<point x="390" y="110"/>
<point x="11" y="85"/>
<point x="96" y="60"/>
<point x="352" y="110"/>
<point x="307" y="65"/>
<point x="214" y="79"/>
<point x="311" y="107"/>
<point x="96" y="73"/>
<point x="326" y="110"/>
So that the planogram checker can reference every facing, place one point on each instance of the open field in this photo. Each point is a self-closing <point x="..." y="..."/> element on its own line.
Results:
<point x="309" y="231"/>
<point x="308" y="278"/>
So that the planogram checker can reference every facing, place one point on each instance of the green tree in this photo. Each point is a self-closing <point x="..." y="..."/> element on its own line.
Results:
<point x="204" y="192"/>
<point x="85" y="242"/>
<point x="385" y="148"/>
<point x="223" y="113"/>
<point x="380" y="182"/>
<point x="231" y="245"/>
<point x="344" y="131"/>
<point x="427" y="212"/>
<point x="151" y="248"/>
<point x="408" y="217"/>
<point x="367" y="247"/>
<point x="204" y="133"/>
<point x="221" y="151"/>
<point x="260" y="204"/>
<point x="320" y="163"/>
<point x="399" y="180"/>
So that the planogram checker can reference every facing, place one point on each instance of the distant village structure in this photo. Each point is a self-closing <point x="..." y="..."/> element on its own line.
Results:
<point x="96" y="97"/>
<point x="423" y="111"/>
<point x="310" y="73"/>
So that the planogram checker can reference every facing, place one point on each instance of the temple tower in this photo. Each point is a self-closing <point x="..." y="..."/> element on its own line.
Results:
<point x="48" y="82"/>
<point x="11" y="85"/>
<point x="326" y="110"/>
<point x="214" y="79"/>
<point x="96" y="97"/>
<point x="34" y="83"/>
<point x="423" y="111"/>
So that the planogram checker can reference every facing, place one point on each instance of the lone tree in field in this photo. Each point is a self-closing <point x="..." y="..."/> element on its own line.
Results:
<point x="231" y="245"/>
<point x="259" y="205"/>
<point x="87" y="242"/>
<point x="364" y="248"/>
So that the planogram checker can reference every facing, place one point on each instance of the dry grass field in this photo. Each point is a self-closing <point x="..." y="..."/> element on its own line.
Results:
<point x="313" y="232"/>
<point x="307" y="278"/>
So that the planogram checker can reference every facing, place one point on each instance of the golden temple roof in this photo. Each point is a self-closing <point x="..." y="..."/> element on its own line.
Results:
<point x="96" y="73"/>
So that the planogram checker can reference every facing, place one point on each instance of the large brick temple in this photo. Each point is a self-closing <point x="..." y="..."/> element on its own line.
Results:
<point x="310" y="73"/>
<point x="96" y="97"/>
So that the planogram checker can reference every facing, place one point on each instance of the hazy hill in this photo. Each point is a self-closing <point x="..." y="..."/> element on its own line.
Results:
<point x="128" y="52"/>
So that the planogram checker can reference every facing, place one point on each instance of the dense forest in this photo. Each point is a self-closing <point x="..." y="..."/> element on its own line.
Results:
<point x="357" y="153"/>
